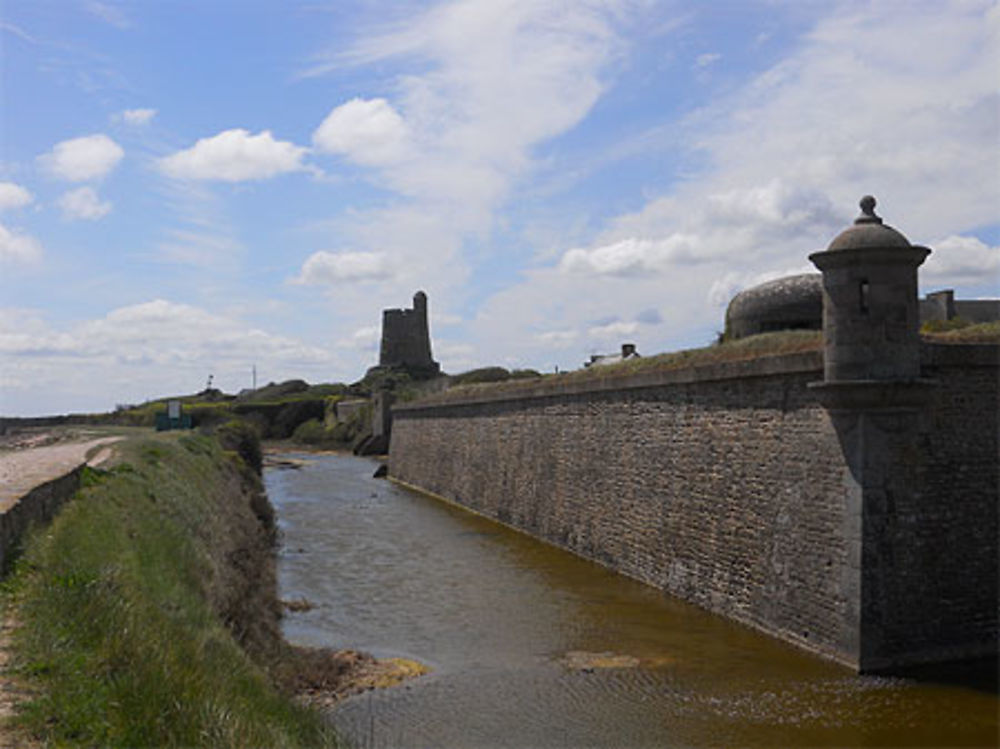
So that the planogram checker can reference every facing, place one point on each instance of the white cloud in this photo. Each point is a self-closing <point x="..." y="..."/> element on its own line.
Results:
<point x="363" y="339"/>
<point x="557" y="338"/>
<point x="18" y="32"/>
<point x="234" y="156"/>
<point x="614" y="329"/>
<point x="454" y="356"/>
<point x="739" y="224"/>
<point x="83" y="203"/>
<point x="485" y="84"/>
<point x="17" y="248"/>
<point x="728" y="285"/>
<point x="957" y="260"/>
<point x="783" y="162"/>
<point x="138" y="117"/>
<point x="13" y="196"/>
<point x="81" y="159"/>
<point x="109" y="13"/>
<point x="141" y="351"/>
<point x="368" y="132"/>
<point x="853" y="111"/>
<point x="203" y="247"/>
<point x="632" y="256"/>
<point x="706" y="59"/>
<point x="334" y="267"/>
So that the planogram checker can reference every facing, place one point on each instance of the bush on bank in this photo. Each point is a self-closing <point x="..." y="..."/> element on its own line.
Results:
<point x="147" y="610"/>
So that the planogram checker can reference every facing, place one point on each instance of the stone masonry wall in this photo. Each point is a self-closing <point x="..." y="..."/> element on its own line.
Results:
<point x="724" y="486"/>
<point x="943" y="549"/>
<point x="728" y="486"/>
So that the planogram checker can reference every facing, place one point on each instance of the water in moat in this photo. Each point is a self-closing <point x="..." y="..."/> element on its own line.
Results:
<point x="511" y="628"/>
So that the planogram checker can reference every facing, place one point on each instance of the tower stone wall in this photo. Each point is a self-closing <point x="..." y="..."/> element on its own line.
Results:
<point x="406" y="341"/>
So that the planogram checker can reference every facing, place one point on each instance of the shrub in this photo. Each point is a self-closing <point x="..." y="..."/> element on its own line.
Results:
<point x="295" y="413"/>
<point x="243" y="439"/>
<point x="524" y="374"/>
<point x="311" y="432"/>
<point x="942" y="326"/>
<point x="484" y="374"/>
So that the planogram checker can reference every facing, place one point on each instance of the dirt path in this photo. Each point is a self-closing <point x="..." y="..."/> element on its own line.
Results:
<point x="25" y="467"/>
<point x="25" y="463"/>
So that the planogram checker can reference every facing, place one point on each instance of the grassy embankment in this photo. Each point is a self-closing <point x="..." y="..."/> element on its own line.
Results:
<point x="743" y="349"/>
<point x="146" y="613"/>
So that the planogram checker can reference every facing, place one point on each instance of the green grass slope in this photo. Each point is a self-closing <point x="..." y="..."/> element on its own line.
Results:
<point x="143" y="617"/>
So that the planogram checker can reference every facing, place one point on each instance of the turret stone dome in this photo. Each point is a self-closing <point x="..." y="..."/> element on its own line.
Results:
<point x="868" y="231"/>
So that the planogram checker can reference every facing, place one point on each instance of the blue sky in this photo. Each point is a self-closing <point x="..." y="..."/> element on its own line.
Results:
<point x="200" y="187"/>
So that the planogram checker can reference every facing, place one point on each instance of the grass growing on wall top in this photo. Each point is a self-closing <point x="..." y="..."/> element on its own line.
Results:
<point x="119" y="640"/>
<point x="962" y="332"/>
<point x="753" y="347"/>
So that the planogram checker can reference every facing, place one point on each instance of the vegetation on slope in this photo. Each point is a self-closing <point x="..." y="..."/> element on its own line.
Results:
<point x="753" y="347"/>
<point x="146" y="611"/>
<point x="961" y="331"/>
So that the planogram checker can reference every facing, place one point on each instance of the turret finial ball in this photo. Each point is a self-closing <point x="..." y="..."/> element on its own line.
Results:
<point x="867" y="216"/>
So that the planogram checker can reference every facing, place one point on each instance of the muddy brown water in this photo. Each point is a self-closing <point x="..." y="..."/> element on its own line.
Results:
<point x="507" y="623"/>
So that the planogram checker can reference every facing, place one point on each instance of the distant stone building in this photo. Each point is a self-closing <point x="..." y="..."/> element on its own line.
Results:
<point x="406" y="341"/>
<point x="599" y="360"/>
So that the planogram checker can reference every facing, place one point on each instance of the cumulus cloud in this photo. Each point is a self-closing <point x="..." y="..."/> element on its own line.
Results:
<point x="137" y="117"/>
<point x="632" y="256"/>
<point x="13" y="196"/>
<point x="742" y="225"/>
<point x="957" y="260"/>
<point x="368" y="132"/>
<point x="557" y="338"/>
<point x="83" y="203"/>
<point x="81" y="159"/>
<point x="782" y="162"/>
<point x="335" y="267"/>
<point x="17" y="248"/>
<point x="853" y="111"/>
<point x="234" y="156"/>
<point x="614" y="329"/>
<point x="485" y="84"/>
<point x="728" y="285"/>
<point x="363" y="339"/>
<point x="141" y="351"/>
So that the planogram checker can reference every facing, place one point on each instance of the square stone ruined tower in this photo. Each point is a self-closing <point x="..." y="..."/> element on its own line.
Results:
<point x="406" y="342"/>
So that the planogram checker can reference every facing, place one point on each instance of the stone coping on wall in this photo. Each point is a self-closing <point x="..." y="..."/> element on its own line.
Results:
<point x="556" y="385"/>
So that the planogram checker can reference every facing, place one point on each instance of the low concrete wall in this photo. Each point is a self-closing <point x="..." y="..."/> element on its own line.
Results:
<point x="37" y="506"/>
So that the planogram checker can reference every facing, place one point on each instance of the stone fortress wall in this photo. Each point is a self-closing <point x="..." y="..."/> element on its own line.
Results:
<point x="853" y="515"/>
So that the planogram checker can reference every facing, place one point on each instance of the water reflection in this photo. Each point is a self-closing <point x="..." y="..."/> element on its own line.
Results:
<point x="495" y="613"/>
